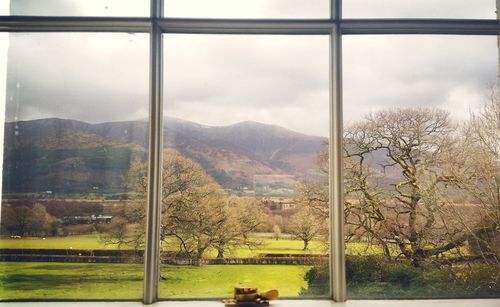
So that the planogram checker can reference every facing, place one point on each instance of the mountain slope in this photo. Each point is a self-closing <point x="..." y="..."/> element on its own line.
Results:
<point x="71" y="156"/>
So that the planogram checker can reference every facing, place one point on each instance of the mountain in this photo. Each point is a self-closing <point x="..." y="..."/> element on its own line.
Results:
<point x="71" y="156"/>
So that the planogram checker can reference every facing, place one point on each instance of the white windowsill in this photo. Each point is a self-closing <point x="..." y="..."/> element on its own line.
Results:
<point x="279" y="303"/>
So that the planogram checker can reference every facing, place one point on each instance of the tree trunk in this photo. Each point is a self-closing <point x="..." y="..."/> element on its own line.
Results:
<point x="306" y="244"/>
<point x="199" y="254"/>
<point x="220" y="252"/>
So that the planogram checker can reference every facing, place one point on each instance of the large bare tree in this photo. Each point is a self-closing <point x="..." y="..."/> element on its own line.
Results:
<point x="196" y="214"/>
<point x="399" y="175"/>
<point x="478" y="175"/>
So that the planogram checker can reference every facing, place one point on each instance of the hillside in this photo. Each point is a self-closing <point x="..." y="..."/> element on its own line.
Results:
<point x="68" y="156"/>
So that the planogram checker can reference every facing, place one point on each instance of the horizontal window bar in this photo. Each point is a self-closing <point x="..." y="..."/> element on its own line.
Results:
<point x="249" y="26"/>
<point x="420" y="26"/>
<point x="73" y="24"/>
<point x="246" y="26"/>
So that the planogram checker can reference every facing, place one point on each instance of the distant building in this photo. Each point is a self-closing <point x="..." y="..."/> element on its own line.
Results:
<point x="279" y="203"/>
<point x="77" y="219"/>
<point x="102" y="219"/>
<point x="87" y="219"/>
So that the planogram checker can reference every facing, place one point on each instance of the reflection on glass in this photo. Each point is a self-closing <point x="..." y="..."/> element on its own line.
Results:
<point x="471" y="9"/>
<point x="422" y="166"/>
<point x="246" y="121"/>
<point x="76" y="7"/>
<point x="71" y="224"/>
<point x="248" y="8"/>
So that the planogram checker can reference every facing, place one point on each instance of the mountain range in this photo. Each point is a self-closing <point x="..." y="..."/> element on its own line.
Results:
<point x="69" y="156"/>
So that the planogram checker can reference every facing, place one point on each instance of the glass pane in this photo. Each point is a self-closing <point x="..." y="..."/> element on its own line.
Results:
<point x="75" y="7"/>
<point x="473" y="9"/>
<point x="246" y="121"/>
<point x="248" y="8"/>
<point x="422" y="166"/>
<point x="75" y="126"/>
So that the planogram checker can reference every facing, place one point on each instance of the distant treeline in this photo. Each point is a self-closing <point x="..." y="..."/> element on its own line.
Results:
<point x="58" y="208"/>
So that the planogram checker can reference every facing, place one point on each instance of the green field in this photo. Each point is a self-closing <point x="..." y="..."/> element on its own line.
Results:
<point x="267" y="246"/>
<point x="38" y="280"/>
<point x="69" y="242"/>
<point x="42" y="280"/>
<point x="93" y="241"/>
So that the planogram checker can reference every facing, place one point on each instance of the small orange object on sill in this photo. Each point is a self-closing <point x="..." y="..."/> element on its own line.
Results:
<point x="249" y="296"/>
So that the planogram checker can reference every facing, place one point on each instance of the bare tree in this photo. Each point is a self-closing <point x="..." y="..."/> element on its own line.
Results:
<point x="398" y="181"/>
<point x="196" y="214"/>
<point x="305" y="226"/>
<point x="16" y="220"/>
<point x="39" y="221"/>
<point x="276" y="232"/>
<point x="35" y="221"/>
<point x="478" y="174"/>
<point x="243" y="215"/>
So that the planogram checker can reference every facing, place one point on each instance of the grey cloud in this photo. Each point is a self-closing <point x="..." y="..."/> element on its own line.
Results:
<point x="280" y="80"/>
<point x="222" y="79"/>
<point x="49" y="7"/>
<point x="427" y="71"/>
<point x="90" y="77"/>
<point x="419" y="9"/>
<point x="248" y="8"/>
<point x="80" y="7"/>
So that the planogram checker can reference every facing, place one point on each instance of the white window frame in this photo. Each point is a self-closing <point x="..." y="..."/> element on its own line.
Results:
<point x="334" y="26"/>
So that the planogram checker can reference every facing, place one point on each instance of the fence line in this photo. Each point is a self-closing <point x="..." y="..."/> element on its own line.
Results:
<point x="133" y="256"/>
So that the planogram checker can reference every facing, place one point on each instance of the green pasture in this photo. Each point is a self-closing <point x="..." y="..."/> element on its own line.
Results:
<point x="267" y="245"/>
<point x="272" y="246"/>
<point x="44" y="280"/>
<point x="91" y="241"/>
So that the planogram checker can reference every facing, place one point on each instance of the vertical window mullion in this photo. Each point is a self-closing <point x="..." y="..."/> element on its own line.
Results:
<point x="336" y="187"/>
<point x="335" y="9"/>
<point x="155" y="152"/>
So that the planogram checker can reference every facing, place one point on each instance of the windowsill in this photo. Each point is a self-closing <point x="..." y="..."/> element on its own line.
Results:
<point x="280" y="303"/>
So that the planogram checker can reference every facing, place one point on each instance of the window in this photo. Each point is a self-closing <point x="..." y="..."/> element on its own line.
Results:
<point x="65" y="192"/>
<point x="382" y="175"/>
<point x="253" y="140"/>
<point x="427" y="121"/>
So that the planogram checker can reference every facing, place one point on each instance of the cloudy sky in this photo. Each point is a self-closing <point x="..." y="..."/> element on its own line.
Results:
<point x="223" y="79"/>
<point x="259" y="8"/>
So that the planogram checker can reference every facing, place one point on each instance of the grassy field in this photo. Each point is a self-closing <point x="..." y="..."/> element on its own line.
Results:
<point x="70" y="242"/>
<point x="284" y="246"/>
<point x="268" y="246"/>
<point x="39" y="280"/>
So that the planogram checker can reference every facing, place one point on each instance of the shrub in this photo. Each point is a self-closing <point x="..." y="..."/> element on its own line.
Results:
<point x="376" y="277"/>
<point x="361" y="269"/>
<point x="318" y="281"/>
<point x="400" y="274"/>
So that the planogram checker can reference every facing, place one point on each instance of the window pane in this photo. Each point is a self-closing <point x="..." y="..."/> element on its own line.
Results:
<point x="246" y="121"/>
<point x="248" y="8"/>
<point x="75" y="127"/>
<point x="75" y="7"/>
<point x="422" y="166"/>
<point x="473" y="9"/>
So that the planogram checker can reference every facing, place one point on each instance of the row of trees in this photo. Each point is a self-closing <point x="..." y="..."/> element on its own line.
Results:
<point x="419" y="184"/>
<point x="196" y="214"/>
<point x="24" y="221"/>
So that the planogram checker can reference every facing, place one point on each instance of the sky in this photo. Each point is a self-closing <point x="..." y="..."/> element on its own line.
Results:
<point x="224" y="79"/>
